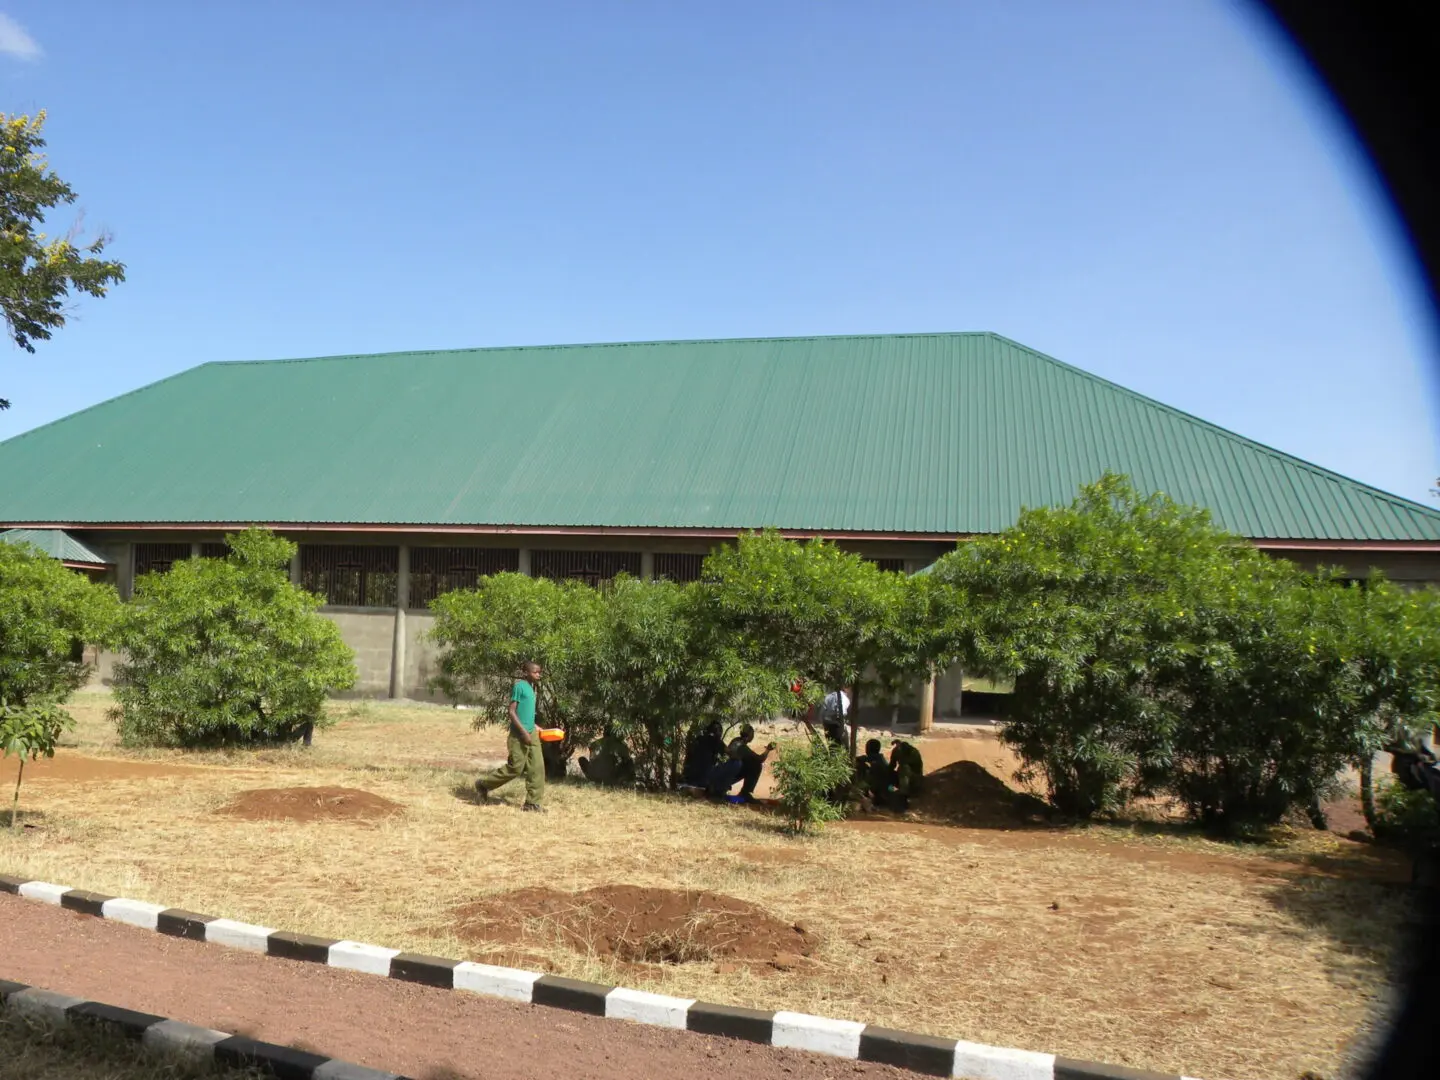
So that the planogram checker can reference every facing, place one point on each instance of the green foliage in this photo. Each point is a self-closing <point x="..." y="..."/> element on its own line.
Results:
<point x="1154" y="653"/>
<point x="650" y="680"/>
<point x="28" y="732"/>
<point x="1392" y="636"/>
<point x="227" y="652"/>
<point x="36" y="273"/>
<point x="47" y="615"/>
<point x="1407" y="817"/>
<point x="627" y="655"/>
<point x="488" y="632"/>
<point x="805" y="774"/>
<point x="812" y="611"/>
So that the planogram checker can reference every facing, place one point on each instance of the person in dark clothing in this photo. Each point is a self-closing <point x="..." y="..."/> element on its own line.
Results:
<point x="872" y="774"/>
<point x="609" y="761"/>
<point x="706" y="750"/>
<point x="742" y="764"/>
<point x="907" y="774"/>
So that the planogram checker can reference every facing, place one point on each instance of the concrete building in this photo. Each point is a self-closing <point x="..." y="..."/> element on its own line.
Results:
<point x="404" y="475"/>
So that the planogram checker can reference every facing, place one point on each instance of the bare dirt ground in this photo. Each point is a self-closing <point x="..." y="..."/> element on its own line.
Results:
<point x="309" y="804"/>
<point x="417" y="1031"/>
<point x="635" y="925"/>
<point x="1135" y="944"/>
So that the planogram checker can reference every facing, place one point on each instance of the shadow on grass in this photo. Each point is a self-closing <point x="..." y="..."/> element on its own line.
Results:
<point x="31" y="820"/>
<point x="1366" y="923"/>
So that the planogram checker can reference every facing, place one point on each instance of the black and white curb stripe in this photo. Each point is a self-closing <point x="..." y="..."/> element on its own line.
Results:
<point x="184" y="1040"/>
<point x="798" y="1031"/>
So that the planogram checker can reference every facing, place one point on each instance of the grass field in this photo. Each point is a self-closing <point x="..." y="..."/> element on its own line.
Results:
<point x="1134" y="945"/>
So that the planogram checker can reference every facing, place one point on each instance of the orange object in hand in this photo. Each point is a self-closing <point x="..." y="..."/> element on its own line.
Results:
<point x="551" y="734"/>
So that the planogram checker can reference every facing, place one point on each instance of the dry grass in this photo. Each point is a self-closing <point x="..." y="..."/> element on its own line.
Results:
<point x="31" y="1050"/>
<point x="1131" y="946"/>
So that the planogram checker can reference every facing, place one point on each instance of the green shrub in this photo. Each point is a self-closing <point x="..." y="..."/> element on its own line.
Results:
<point x="805" y="774"/>
<point x="28" y="732"/>
<point x="1154" y="653"/>
<point x="1408" y="817"/>
<point x="47" y="615"/>
<point x="227" y="652"/>
<point x="488" y="632"/>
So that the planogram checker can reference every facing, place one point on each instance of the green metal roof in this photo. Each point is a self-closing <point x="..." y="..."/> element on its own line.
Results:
<point x="56" y="543"/>
<point x="945" y="434"/>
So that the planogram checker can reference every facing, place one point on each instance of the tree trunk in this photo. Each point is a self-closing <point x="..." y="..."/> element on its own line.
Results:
<point x="1367" y="791"/>
<point x="854" y="721"/>
<point x="15" y="805"/>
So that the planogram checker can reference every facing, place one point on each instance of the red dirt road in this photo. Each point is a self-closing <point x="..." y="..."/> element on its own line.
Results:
<point x="418" y="1031"/>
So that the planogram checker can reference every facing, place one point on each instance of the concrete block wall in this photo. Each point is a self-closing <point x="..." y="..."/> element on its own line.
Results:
<point x="372" y="635"/>
<point x="422" y="657"/>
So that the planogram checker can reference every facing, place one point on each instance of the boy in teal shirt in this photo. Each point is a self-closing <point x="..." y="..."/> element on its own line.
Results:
<point x="525" y="759"/>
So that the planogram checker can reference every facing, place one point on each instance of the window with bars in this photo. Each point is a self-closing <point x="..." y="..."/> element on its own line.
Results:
<point x="437" y="570"/>
<point x="592" y="567"/>
<point x="351" y="575"/>
<point x="894" y="566"/>
<point x="158" y="558"/>
<point x="214" y="550"/>
<point x="679" y="568"/>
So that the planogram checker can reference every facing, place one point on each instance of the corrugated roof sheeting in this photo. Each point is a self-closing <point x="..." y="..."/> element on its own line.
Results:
<point x="940" y="433"/>
<point x="56" y="543"/>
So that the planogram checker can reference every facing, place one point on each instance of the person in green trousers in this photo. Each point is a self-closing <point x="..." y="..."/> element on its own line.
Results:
<point x="524" y="745"/>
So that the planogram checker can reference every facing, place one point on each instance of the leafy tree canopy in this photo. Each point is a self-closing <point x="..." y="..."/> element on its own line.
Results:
<point x="37" y="272"/>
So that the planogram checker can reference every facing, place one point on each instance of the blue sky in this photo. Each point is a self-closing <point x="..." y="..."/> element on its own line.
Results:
<point x="1151" y="191"/>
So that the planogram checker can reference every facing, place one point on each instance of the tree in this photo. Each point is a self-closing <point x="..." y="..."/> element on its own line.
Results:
<point x="651" y="677"/>
<point x="488" y="632"/>
<point x="802" y="610"/>
<point x="227" y="651"/>
<point x="1076" y="604"/>
<point x="47" y="616"/>
<point x="38" y="273"/>
<point x="1155" y="653"/>
<point x="631" y="656"/>
<point x="1392" y="636"/>
<point x="29" y="732"/>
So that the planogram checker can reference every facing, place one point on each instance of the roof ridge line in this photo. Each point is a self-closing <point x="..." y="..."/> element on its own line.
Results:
<point x="1319" y="470"/>
<point x="601" y="344"/>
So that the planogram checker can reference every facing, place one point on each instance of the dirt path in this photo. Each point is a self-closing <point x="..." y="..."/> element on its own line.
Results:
<point x="421" y="1032"/>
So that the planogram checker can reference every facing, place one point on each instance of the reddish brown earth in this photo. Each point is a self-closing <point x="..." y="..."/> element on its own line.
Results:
<point x="309" y="804"/>
<point x="636" y="925"/>
<point x="402" y="1027"/>
<point x="73" y="769"/>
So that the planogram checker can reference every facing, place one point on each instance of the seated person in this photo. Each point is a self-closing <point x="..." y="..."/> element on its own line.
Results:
<point x="741" y="764"/>
<point x="706" y="750"/>
<point x="872" y="774"/>
<point x="907" y="774"/>
<point x="610" y="761"/>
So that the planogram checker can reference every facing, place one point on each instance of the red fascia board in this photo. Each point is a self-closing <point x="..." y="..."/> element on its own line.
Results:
<point x="644" y="530"/>
<point x="477" y="530"/>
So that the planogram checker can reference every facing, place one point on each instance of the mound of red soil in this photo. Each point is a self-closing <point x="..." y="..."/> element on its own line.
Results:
<point x="633" y="924"/>
<point x="965" y="793"/>
<point x="309" y="804"/>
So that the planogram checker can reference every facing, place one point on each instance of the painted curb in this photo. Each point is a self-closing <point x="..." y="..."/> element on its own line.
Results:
<point x="846" y="1039"/>
<point x="171" y="1036"/>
